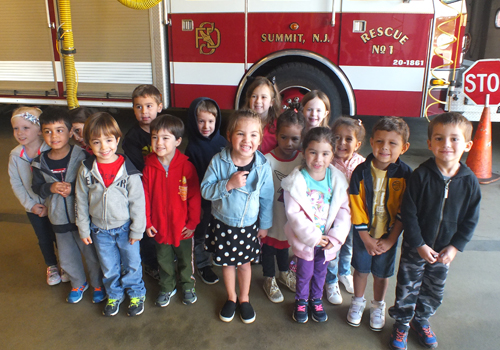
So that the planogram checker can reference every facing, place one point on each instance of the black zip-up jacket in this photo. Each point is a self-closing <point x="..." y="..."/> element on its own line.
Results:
<point x="440" y="212"/>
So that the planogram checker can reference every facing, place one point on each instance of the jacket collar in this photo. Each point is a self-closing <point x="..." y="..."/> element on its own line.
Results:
<point x="225" y="155"/>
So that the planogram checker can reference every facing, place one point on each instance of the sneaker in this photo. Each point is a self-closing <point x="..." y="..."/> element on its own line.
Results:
<point x="64" y="276"/>
<point x="208" y="275"/>
<point x="247" y="314"/>
<point x="163" y="298"/>
<point x="76" y="294"/>
<point x="355" y="312"/>
<point x="348" y="283"/>
<point x="112" y="306"/>
<point x="154" y="273"/>
<point x="399" y="337"/>
<point x="136" y="306"/>
<point x="99" y="295"/>
<point x="317" y="312"/>
<point x="300" y="313"/>
<point x="189" y="297"/>
<point x="333" y="293"/>
<point x="227" y="312"/>
<point x="288" y="279"/>
<point x="53" y="276"/>
<point x="426" y="336"/>
<point x="272" y="290"/>
<point x="377" y="315"/>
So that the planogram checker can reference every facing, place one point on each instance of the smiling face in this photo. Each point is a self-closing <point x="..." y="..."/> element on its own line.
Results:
<point x="104" y="148"/>
<point x="448" y="144"/>
<point x="164" y="144"/>
<point x="318" y="155"/>
<point x="315" y="111"/>
<point x="346" y="142"/>
<point x="288" y="137"/>
<point x="78" y="134"/>
<point x="25" y="132"/>
<point x="206" y="123"/>
<point x="56" y="136"/>
<point x="261" y="99"/>
<point x="146" y="109"/>
<point x="244" y="140"/>
<point x="387" y="146"/>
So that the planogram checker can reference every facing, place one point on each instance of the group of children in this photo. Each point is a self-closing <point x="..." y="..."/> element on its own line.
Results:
<point x="224" y="200"/>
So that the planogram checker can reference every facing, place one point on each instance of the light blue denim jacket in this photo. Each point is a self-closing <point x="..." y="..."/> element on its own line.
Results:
<point x="240" y="207"/>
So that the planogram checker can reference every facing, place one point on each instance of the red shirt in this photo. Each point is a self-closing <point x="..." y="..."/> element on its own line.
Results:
<point x="108" y="171"/>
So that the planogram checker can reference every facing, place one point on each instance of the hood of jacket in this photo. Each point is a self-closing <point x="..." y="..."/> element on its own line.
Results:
<point x="176" y="162"/>
<point x="192" y="121"/>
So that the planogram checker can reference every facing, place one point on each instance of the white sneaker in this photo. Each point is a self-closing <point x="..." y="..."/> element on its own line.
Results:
<point x="348" y="283"/>
<point x="272" y="290"/>
<point x="288" y="279"/>
<point x="377" y="315"/>
<point x="53" y="276"/>
<point x="64" y="276"/>
<point x="333" y="293"/>
<point x="355" y="312"/>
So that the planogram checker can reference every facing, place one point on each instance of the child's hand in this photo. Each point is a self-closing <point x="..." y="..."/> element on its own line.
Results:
<point x="37" y="209"/>
<point x="151" y="232"/>
<point x="427" y="253"/>
<point x="186" y="233"/>
<point x="87" y="240"/>
<point x="133" y="240"/>
<point x="371" y="245"/>
<point x="62" y="188"/>
<point x="44" y="211"/>
<point x="385" y="244"/>
<point x="262" y="233"/>
<point x="325" y="243"/>
<point x="67" y="189"/>
<point x="447" y="255"/>
<point x="237" y="180"/>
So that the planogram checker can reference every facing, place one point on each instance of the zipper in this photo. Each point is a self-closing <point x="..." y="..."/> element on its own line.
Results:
<point x="445" y="197"/>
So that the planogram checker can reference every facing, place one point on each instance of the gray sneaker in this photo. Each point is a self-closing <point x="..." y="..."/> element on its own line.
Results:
<point x="189" y="297"/>
<point x="163" y="298"/>
<point x="112" y="306"/>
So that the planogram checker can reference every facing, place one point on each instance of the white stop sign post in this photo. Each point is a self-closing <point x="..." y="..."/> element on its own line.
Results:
<point x="481" y="79"/>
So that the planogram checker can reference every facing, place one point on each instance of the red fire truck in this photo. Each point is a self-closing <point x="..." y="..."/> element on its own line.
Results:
<point x="371" y="57"/>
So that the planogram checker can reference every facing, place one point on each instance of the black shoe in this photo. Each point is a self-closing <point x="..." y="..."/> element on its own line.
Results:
<point x="136" y="306"/>
<point x="227" y="312"/>
<point x="247" y="313"/>
<point x="152" y="272"/>
<point x="300" y="313"/>
<point x="207" y="275"/>
<point x="318" y="314"/>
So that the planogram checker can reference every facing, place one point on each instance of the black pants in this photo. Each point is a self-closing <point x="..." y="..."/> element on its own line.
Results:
<point x="268" y="254"/>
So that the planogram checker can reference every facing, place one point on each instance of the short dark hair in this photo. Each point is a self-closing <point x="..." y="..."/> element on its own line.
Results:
<point x="168" y="122"/>
<point x="207" y="106"/>
<point x="291" y="117"/>
<point x="145" y="91"/>
<point x="319" y="134"/>
<point x="53" y="115"/>
<point x="100" y="123"/>
<point x="453" y="118"/>
<point x="393" y="124"/>
<point x="79" y="115"/>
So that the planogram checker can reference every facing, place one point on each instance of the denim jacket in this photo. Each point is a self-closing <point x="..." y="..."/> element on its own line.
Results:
<point x="240" y="207"/>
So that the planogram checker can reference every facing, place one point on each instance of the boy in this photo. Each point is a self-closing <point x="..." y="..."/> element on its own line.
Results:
<point x="146" y="102"/>
<point x="110" y="205"/>
<point x="173" y="204"/>
<point x="54" y="175"/>
<point x="205" y="141"/>
<point x="375" y="192"/>
<point x="440" y="211"/>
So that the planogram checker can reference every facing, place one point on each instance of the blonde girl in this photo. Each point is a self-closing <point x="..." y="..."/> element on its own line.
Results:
<point x="316" y="109"/>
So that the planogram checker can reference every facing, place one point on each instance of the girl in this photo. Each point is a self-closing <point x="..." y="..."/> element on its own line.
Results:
<point x="317" y="209"/>
<point x="263" y="98"/>
<point x="316" y="109"/>
<point x="27" y="132"/>
<point x="239" y="184"/>
<point x="283" y="159"/>
<point x="78" y="117"/>
<point x="349" y="135"/>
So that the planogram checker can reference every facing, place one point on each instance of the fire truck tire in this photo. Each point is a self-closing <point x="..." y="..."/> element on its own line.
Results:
<point x="294" y="74"/>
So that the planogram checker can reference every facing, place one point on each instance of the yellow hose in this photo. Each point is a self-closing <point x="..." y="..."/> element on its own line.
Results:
<point x="140" y="4"/>
<point x="67" y="51"/>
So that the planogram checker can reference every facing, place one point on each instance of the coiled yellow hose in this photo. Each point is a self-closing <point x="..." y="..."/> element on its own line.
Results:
<point x="67" y="51"/>
<point x="140" y="4"/>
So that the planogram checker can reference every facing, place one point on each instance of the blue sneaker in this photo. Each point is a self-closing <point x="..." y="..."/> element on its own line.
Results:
<point x="300" y="313"/>
<point x="318" y="314"/>
<point x="426" y="336"/>
<point x="399" y="337"/>
<point x="99" y="295"/>
<point x="76" y="294"/>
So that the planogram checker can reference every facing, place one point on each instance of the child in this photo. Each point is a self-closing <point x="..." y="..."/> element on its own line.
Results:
<point x="173" y="204"/>
<point x="317" y="209"/>
<point x="283" y="159"/>
<point x="54" y="176"/>
<point x="316" y="109"/>
<point x="440" y="211"/>
<point x="376" y="191"/>
<point x="110" y="213"/>
<point x="263" y="97"/>
<point x="239" y="183"/>
<point x="146" y="102"/>
<point x="78" y="117"/>
<point x="205" y="141"/>
<point x="349" y="135"/>
<point x="27" y="132"/>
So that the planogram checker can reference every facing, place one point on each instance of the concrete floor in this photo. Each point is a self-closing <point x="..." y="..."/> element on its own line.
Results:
<point x="36" y="316"/>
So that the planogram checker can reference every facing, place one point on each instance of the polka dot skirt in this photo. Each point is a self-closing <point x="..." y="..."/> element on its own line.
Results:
<point x="232" y="246"/>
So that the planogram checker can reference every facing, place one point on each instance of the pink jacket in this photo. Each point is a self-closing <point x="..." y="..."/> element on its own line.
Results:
<point x="302" y="233"/>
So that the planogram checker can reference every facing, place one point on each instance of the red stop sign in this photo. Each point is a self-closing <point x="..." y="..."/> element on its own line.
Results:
<point x="483" y="78"/>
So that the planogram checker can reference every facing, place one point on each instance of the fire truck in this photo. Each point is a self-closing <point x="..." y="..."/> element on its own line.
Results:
<point x="387" y="57"/>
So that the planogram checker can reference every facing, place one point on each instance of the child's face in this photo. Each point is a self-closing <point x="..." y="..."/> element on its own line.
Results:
<point x="146" y="109"/>
<point x="245" y="139"/>
<point x="387" y="146"/>
<point x="346" y="142"/>
<point x="56" y="135"/>
<point x="448" y="144"/>
<point x="206" y="123"/>
<point x="25" y="132"/>
<point x="261" y="100"/>
<point x="315" y="111"/>
<point x="78" y="134"/>
<point x="164" y="144"/>
<point x="104" y="148"/>
<point x="318" y="155"/>
<point x="289" y="137"/>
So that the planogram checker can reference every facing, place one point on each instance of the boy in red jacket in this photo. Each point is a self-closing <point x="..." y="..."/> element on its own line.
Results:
<point x="173" y="205"/>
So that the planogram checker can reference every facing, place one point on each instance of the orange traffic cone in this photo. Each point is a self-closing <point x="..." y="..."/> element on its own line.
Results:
<point x="480" y="156"/>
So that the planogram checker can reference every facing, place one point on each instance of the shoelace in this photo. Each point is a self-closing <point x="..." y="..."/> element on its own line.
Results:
<point x="51" y="271"/>
<point x="112" y="301"/>
<point x="98" y="289"/>
<point x="318" y="307"/>
<point x="274" y="287"/>
<point x="427" y="331"/>
<point x="301" y="308"/>
<point x="134" y="301"/>
<point x="81" y="288"/>
<point x="400" y="335"/>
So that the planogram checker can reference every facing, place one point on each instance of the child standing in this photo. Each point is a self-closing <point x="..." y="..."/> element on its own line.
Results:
<point x="239" y="184"/>
<point x="78" y="117"/>
<point x="173" y="204"/>
<point x="54" y="176"/>
<point x="376" y="192"/>
<point x="110" y="213"/>
<point x="27" y="132"/>
<point x="349" y="135"/>
<point x="440" y="211"/>
<point x="283" y="159"/>
<point x="263" y="97"/>
<point x="205" y="141"/>
<point x="316" y="109"/>
<point x="317" y="209"/>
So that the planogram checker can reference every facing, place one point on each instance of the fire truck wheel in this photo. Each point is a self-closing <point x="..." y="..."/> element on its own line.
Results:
<point x="297" y="78"/>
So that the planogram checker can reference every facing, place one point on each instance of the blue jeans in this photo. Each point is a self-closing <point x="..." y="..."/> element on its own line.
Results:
<point x="115" y="250"/>
<point x="342" y="265"/>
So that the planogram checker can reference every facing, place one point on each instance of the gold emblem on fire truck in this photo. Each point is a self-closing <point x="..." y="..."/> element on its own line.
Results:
<point x="207" y="38"/>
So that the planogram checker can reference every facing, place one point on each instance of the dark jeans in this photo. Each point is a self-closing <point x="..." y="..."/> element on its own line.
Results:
<point x="46" y="237"/>
<point x="148" y="252"/>
<point x="268" y="254"/>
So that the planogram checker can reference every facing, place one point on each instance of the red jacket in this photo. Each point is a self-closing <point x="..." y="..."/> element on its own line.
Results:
<point x="166" y="210"/>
